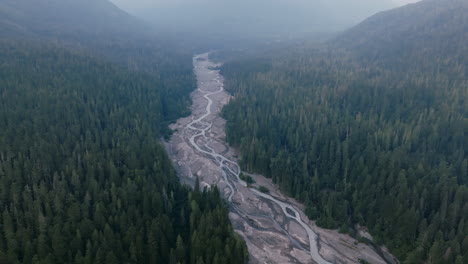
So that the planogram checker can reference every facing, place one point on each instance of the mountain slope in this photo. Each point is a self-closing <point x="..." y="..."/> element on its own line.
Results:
<point x="370" y="130"/>
<point x="83" y="178"/>
<point x="102" y="29"/>
<point x="261" y="18"/>
<point x="430" y="28"/>
<point x="61" y="16"/>
<point x="85" y="96"/>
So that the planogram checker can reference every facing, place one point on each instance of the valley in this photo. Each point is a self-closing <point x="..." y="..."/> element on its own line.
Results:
<point x="321" y="137"/>
<point x="274" y="226"/>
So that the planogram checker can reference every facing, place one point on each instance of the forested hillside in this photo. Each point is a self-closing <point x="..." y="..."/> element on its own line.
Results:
<point x="99" y="28"/>
<point x="413" y="37"/>
<point x="366" y="134"/>
<point x="83" y="177"/>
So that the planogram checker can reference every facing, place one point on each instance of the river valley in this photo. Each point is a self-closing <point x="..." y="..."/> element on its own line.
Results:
<point x="274" y="226"/>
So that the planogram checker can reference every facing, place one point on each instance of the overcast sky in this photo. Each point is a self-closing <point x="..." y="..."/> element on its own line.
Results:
<point x="255" y="18"/>
<point x="404" y="2"/>
<point x="139" y="5"/>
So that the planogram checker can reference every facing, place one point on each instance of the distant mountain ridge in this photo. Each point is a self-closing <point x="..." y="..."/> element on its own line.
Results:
<point x="254" y="18"/>
<point x="23" y="17"/>
<point x="430" y="28"/>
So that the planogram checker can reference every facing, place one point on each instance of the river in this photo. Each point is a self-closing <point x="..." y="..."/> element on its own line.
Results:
<point x="274" y="226"/>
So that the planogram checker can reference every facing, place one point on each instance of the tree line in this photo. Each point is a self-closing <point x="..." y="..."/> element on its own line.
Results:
<point x="361" y="143"/>
<point x="83" y="178"/>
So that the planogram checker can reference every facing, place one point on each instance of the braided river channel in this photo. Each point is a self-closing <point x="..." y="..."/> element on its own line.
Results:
<point x="273" y="225"/>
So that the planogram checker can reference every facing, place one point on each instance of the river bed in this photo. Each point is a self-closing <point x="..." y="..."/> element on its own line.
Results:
<point x="274" y="226"/>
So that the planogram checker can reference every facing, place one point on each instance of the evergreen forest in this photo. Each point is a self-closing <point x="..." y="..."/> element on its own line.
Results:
<point x="83" y="178"/>
<point x="365" y="131"/>
<point x="84" y="100"/>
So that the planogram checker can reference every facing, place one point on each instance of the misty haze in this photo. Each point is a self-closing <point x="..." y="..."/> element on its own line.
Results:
<point x="256" y="18"/>
<point x="249" y="131"/>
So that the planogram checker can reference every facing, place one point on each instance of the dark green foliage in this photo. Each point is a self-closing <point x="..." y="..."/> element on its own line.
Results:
<point x="248" y="179"/>
<point x="386" y="152"/>
<point x="100" y="28"/>
<point x="83" y="178"/>
<point x="359" y="141"/>
<point x="411" y="36"/>
<point x="263" y="189"/>
<point x="211" y="236"/>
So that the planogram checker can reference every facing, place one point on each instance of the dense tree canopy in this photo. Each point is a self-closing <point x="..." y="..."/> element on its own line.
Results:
<point x="379" y="142"/>
<point x="83" y="178"/>
<point x="86" y="91"/>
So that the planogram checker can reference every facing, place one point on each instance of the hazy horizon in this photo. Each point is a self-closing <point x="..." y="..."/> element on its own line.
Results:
<point x="258" y="18"/>
<point x="136" y="6"/>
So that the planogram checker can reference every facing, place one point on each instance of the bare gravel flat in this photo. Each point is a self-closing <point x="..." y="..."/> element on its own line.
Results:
<point x="271" y="235"/>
